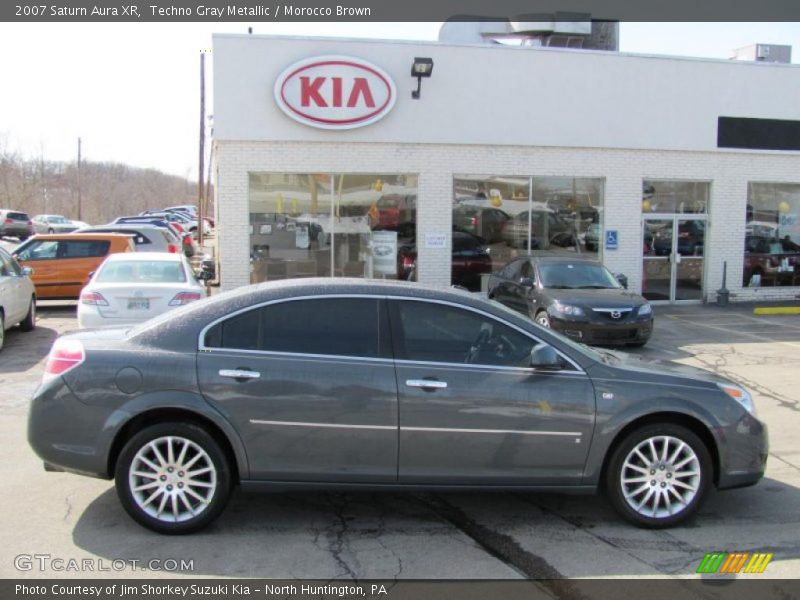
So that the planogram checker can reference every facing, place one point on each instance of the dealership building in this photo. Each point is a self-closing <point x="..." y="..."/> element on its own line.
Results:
<point x="401" y="160"/>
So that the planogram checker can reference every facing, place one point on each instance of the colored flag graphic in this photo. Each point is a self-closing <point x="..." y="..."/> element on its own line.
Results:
<point x="724" y="563"/>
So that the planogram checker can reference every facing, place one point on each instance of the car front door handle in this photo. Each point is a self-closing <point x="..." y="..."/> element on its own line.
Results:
<point x="239" y="374"/>
<point x="426" y="383"/>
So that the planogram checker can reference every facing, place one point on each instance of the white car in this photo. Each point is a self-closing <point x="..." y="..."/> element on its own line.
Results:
<point x="17" y="296"/>
<point x="129" y="288"/>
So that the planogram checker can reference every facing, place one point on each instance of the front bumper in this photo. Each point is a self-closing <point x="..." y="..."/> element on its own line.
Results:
<point x="588" y="332"/>
<point x="744" y="461"/>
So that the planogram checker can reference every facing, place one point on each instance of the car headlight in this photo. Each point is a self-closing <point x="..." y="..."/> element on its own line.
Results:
<point x="568" y="309"/>
<point x="741" y="395"/>
<point x="645" y="309"/>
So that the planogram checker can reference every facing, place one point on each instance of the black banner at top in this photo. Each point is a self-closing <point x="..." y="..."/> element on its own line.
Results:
<point x="397" y="10"/>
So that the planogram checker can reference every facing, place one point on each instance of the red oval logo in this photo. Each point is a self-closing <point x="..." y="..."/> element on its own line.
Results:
<point x="335" y="92"/>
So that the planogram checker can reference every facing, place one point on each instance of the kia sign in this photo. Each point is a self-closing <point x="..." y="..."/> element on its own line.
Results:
<point x="335" y="92"/>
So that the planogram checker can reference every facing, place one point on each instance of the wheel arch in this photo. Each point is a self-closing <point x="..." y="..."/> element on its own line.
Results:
<point x="154" y="416"/>
<point x="693" y="424"/>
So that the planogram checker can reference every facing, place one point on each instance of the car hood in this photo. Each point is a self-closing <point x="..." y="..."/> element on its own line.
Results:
<point x="659" y="369"/>
<point x="609" y="298"/>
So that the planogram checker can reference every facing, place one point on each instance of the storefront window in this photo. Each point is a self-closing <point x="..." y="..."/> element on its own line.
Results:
<point x="772" y="235"/>
<point x="671" y="197"/>
<point x="309" y="225"/>
<point x="500" y="218"/>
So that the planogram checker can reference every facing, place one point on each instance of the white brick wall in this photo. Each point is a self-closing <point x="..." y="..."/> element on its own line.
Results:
<point x="437" y="164"/>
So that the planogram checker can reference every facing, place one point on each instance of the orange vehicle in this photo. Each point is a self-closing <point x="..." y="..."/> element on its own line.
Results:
<point x="62" y="263"/>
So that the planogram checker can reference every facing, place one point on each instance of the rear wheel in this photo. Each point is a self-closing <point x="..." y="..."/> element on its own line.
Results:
<point x="2" y="330"/>
<point x="30" y="319"/>
<point x="173" y="478"/>
<point x="659" y="475"/>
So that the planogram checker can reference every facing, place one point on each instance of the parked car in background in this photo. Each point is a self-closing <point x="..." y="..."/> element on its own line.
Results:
<point x="146" y="237"/>
<point x="187" y="243"/>
<point x="14" y="223"/>
<point x="766" y="258"/>
<point x="17" y="296"/>
<point x="591" y="238"/>
<point x="546" y="227"/>
<point x="52" y="224"/>
<point x="470" y="259"/>
<point x="188" y="222"/>
<point x="191" y="210"/>
<point x="577" y="297"/>
<point x="484" y="222"/>
<point x="133" y="287"/>
<point x="62" y="263"/>
<point x="318" y="382"/>
<point x="691" y="239"/>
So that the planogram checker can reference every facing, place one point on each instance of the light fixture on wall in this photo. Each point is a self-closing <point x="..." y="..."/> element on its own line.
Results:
<point x="422" y="67"/>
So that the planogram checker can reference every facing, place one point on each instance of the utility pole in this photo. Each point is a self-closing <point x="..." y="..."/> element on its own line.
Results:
<point x="201" y="168"/>
<point x="80" y="216"/>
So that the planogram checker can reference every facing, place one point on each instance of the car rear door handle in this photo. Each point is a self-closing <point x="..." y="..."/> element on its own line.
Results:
<point x="239" y="374"/>
<point x="426" y="383"/>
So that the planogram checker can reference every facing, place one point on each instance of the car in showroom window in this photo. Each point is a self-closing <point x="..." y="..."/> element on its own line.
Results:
<point x="579" y="298"/>
<point x="321" y="382"/>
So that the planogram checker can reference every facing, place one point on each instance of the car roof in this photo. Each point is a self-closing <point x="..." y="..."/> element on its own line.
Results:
<point x="544" y="259"/>
<point x="80" y="236"/>
<point x="148" y="256"/>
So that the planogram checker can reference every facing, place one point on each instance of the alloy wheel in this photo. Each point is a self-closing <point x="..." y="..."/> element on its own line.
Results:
<point x="172" y="479"/>
<point x="660" y="477"/>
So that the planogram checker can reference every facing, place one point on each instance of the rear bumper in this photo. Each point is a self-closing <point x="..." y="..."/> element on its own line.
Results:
<point x="633" y="332"/>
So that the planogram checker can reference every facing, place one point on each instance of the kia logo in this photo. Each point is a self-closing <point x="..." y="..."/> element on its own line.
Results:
<point x="335" y="92"/>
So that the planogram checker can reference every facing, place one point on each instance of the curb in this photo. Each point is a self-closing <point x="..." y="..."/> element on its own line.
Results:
<point x="776" y="310"/>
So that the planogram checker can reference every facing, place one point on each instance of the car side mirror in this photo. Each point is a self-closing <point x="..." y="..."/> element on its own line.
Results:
<point x="623" y="279"/>
<point x="544" y="356"/>
<point x="27" y="271"/>
<point x="526" y="282"/>
<point x="204" y="275"/>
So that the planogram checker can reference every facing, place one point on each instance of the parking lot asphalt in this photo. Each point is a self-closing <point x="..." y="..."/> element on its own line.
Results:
<point x="388" y="536"/>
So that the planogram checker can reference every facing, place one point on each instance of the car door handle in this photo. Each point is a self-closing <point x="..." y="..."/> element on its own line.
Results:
<point x="426" y="383"/>
<point x="239" y="374"/>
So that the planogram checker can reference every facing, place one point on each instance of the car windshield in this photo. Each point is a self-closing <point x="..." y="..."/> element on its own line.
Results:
<point x="141" y="271"/>
<point x="576" y="276"/>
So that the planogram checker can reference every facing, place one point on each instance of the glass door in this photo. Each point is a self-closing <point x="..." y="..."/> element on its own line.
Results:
<point x="672" y="256"/>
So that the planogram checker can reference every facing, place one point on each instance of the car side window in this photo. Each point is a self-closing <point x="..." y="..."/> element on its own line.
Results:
<point x="333" y="326"/>
<point x="511" y="270"/>
<point x="5" y="265"/>
<point x="83" y="248"/>
<point x="39" y="250"/>
<point x="432" y="332"/>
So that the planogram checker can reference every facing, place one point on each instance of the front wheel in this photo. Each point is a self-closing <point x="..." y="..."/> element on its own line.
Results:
<point x="30" y="319"/>
<point x="173" y="478"/>
<point x="659" y="475"/>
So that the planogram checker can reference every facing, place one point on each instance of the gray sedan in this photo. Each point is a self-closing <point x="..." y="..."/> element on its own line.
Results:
<point x="53" y="224"/>
<point x="320" y="383"/>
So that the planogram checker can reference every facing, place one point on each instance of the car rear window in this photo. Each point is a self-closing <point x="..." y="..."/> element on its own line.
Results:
<point x="141" y="271"/>
<point x="17" y="216"/>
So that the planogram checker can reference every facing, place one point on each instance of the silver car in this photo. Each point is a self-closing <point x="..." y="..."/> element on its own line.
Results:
<point x="53" y="224"/>
<point x="17" y="296"/>
<point x="321" y="383"/>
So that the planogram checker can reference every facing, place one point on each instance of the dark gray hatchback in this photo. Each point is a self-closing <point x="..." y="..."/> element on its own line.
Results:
<point x="376" y="385"/>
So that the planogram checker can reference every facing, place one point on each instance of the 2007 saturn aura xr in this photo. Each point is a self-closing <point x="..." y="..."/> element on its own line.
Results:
<point x="380" y="385"/>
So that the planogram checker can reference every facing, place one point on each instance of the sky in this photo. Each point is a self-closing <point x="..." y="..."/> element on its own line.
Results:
<point x="130" y="91"/>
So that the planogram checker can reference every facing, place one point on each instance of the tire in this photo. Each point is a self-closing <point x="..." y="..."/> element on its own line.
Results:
<point x="29" y="323"/>
<point x="164" y="511"/>
<point x="50" y="230"/>
<point x="2" y="330"/>
<point x="542" y="319"/>
<point x="688" y="462"/>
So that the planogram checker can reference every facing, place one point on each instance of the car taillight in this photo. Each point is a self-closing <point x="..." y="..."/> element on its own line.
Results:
<point x="93" y="298"/>
<point x="474" y="220"/>
<point x="9" y="221"/>
<point x="184" y="298"/>
<point x="172" y="248"/>
<point x="30" y="225"/>
<point x="64" y="356"/>
<point x="408" y="262"/>
<point x="176" y="226"/>
<point x="187" y="240"/>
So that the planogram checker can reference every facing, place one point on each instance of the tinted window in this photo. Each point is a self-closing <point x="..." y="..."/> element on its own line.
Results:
<point x="82" y="248"/>
<point x="142" y="271"/>
<point x="511" y="270"/>
<point x="441" y="333"/>
<point x="17" y="216"/>
<point x="5" y="264"/>
<point x="576" y="276"/>
<point x="337" y="326"/>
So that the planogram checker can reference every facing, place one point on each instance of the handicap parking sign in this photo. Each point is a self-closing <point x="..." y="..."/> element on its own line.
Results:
<point x="612" y="239"/>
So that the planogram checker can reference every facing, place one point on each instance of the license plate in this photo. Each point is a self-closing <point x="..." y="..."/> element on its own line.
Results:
<point x="139" y="304"/>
